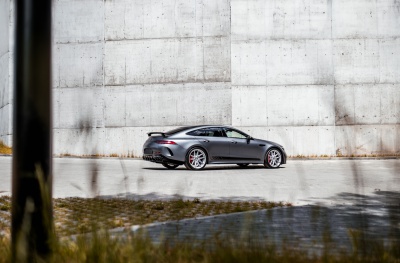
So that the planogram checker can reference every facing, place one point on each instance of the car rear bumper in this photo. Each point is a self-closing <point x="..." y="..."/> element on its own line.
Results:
<point x="159" y="159"/>
<point x="161" y="153"/>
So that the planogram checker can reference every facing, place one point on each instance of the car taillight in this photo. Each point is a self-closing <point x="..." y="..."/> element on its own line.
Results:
<point x="165" y="142"/>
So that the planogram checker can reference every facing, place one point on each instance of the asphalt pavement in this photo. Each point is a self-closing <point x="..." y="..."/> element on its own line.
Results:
<point x="299" y="182"/>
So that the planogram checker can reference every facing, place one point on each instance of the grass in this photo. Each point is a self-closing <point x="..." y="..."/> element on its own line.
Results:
<point x="95" y="216"/>
<point x="295" y="157"/>
<point x="323" y="156"/>
<point x="101" y="247"/>
<point x="97" y="155"/>
<point x="4" y="149"/>
<point x="75" y="215"/>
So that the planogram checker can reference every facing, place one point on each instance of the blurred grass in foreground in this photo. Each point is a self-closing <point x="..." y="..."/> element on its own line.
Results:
<point x="95" y="216"/>
<point x="101" y="247"/>
<point x="76" y="215"/>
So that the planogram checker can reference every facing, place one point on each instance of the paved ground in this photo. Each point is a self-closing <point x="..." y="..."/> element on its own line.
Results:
<point x="300" y="181"/>
<point x="307" y="227"/>
<point x="354" y="194"/>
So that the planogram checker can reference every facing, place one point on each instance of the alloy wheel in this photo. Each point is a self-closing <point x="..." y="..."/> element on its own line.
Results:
<point x="273" y="158"/>
<point x="196" y="159"/>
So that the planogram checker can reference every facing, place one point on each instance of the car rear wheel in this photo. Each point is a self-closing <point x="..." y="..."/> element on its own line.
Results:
<point x="170" y="165"/>
<point x="196" y="159"/>
<point x="243" y="164"/>
<point x="273" y="158"/>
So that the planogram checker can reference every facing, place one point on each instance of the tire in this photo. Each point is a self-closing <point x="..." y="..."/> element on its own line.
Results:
<point x="196" y="159"/>
<point x="243" y="164"/>
<point x="170" y="166"/>
<point x="273" y="158"/>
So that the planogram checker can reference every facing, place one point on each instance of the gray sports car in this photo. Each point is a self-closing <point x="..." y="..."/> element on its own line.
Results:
<point x="196" y="146"/>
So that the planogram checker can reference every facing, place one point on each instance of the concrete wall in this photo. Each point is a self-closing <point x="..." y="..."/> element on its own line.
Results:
<point x="5" y="94"/>
<point x="124" y="68"/>
<point x="321" y="77"/>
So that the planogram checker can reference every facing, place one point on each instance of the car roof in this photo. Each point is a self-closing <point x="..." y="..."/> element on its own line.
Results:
<point x="187" y="128"/>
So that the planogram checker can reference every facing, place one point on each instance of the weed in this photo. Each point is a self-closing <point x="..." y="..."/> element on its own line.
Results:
<point x="100" y="247"/>
<point x="95" y="216"/>
<point x="340" y="155"/>
<point x="4" y="149"/>
<point x="75" y="215"/>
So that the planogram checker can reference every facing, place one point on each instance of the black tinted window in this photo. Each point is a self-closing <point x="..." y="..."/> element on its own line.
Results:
<point x="209" y="132"/>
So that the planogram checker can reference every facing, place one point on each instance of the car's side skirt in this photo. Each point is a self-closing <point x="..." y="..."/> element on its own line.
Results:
<point x="228" y="159"/>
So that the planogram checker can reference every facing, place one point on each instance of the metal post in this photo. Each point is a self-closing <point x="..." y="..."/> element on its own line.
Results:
<point x="32" y="222"/>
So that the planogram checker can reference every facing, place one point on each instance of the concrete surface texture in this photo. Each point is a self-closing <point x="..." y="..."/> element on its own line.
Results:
<point x="298" y="182"/>
<point x="5" y="94"/>
<point x="307" y="227"/>
<point x="321" y="77"/>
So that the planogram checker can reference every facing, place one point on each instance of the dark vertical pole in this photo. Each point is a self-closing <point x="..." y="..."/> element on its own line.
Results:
<point x="31" y="186"/>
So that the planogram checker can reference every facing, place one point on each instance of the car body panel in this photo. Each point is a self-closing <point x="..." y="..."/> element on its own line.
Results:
<point x="246" y="150"/>
<point x="219" y="149"/>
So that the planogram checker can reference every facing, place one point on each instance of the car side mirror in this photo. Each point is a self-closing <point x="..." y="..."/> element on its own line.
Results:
<point x="248" y="138"/>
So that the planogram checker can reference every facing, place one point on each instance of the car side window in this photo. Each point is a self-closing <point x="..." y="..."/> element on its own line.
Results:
<point x="230" y="133"/>
<point x="208" y="132"/>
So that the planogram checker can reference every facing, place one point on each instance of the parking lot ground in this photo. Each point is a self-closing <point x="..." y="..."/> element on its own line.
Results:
<point x="300" y="182"/>
<point x="330" y="197"/>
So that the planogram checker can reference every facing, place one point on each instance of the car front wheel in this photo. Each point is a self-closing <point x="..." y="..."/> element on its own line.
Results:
<point x="273" y="158"/>
<point x="196" y="159"/>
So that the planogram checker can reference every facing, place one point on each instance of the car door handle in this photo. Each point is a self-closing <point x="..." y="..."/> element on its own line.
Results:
<point x="233" y="142"/>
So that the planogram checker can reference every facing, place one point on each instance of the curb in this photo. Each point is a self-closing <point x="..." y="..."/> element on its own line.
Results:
<point x="289" y="158"/>
<point x="345" y="158"/>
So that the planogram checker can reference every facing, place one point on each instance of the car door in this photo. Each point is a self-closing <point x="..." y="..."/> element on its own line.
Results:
<point x="241" y="148"/>
<point x="214" y="141"/>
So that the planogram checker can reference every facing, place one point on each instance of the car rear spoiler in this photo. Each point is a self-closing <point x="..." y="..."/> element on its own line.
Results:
<point x="162" y="134"/>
